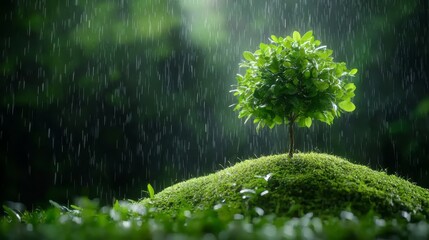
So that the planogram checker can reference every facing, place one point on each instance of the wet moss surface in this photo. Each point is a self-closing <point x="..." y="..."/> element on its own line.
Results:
<point x="309" y="182"/>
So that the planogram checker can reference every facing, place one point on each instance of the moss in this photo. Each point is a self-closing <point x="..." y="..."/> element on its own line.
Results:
<point x="310" y="182"/>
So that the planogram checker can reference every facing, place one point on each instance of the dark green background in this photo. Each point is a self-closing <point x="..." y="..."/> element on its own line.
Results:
<point x="99" y="98"/>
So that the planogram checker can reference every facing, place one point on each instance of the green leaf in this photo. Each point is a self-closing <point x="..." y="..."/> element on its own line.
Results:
<point x="296" y="36"/>
<point x="261" y="62"/>
<point x="295" y="81"/>
<point x="347" y="95"/>
<point x="274" y="66"/>
<point x="347" y="106"/>
<point x="304" y="122"/>
<point x="264" y="47"/>
<point x="350" y="87"/>
<point x="74" y="207"/>
<point x="329" y="117"/>
<point x="60" y="207"/>
<point x="314" y="73"/>
<point x="248" y="56"/>
<point x="327" y="53"/>
<point x="353" y="71"/>
<point x="14" y="216"/>
<point x="247" y="119"/>
<point x="308" y="122"/>
<point x="307" y="74"/>
<point x="321" y="86"/>
<point x="151" y="191"/>
<point x="278" y="120"/>
<point x="307" y="36"/>
<point x="116" y="206"/>
<point x="274" y="38"/>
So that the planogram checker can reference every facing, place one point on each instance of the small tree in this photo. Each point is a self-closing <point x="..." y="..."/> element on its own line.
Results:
<point x="293" y="80"/>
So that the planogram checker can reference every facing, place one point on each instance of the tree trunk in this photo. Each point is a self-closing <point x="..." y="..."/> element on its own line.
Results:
<point x="291" y="143"/>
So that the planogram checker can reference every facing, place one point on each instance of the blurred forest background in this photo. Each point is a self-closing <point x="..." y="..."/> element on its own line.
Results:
<point x="99" y="98"/>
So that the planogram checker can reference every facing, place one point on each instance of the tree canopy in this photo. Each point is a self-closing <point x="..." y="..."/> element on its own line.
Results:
<point x="293" y="79"/>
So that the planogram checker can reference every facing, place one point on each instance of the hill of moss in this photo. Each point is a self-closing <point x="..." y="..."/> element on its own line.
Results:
<point x="309" y="182"/>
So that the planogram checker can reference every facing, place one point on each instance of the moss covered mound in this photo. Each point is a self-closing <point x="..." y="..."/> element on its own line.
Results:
<point x="310" y="182"/>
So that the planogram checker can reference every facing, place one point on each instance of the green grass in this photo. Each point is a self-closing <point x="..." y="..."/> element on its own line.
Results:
<point x="127" y="220"/>
<point x="268" y="198"/>
<point x="319" y="183"/>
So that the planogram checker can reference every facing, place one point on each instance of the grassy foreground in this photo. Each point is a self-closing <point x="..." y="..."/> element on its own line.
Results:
<point x="312" y="196"/>
<point x="127" y="220"/>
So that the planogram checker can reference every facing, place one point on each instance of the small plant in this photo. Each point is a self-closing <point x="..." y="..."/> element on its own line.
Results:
<point x="150" y="190"/>
<point x="293" y="80"/>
